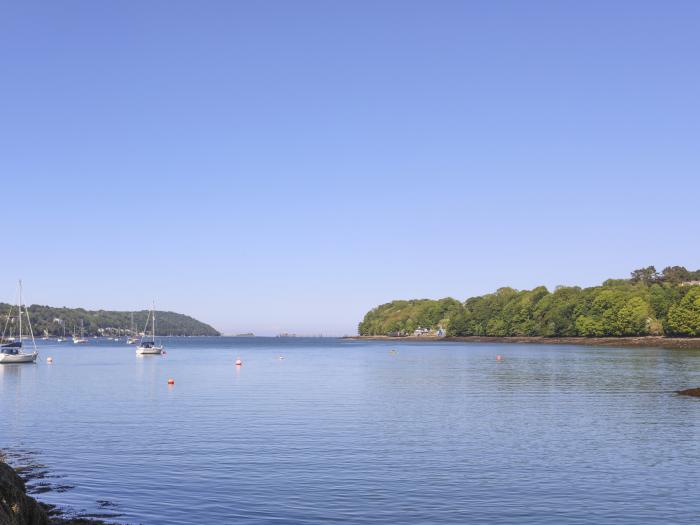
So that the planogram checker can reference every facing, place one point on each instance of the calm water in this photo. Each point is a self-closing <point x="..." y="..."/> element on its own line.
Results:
<point x="347" y="432"/>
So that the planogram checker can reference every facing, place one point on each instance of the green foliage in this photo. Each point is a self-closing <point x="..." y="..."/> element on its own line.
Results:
<point x="646" y="275"/>
<point x="403" y="317"/>
<point x="684" y="317"/>
<point x="48" y="320"/>
<point x="647" y="304"/>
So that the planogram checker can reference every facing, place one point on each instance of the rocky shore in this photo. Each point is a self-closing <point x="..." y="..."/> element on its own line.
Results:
<point x="688" y="343"/>
<point x="18" y="508"/>
<point x="695" y="392"/>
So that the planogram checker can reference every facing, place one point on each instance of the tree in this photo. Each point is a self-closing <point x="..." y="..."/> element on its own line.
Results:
<point x="646" y="275"/>
<point x="620" y="307"/>
<point x="632" y="317"/>
<point x="459" y="325"/>
<point x="675" y="274"/>
<point x="588" y="327"/>
<point x="684" y="318"/>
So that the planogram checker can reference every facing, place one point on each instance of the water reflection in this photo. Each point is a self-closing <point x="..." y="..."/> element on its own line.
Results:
<point x="351" y="432"/>
<point x="12" y="370"/>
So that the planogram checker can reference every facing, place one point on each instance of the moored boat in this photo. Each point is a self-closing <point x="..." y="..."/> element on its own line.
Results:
<point x="80" y="340"/>
<point x="132" y="339"/>
<point x="147" y="347"/>
<point x="12" y="350"/>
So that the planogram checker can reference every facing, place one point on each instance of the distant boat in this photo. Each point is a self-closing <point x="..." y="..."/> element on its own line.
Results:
<point x="11" y="352"/>
<point x="150" y="347"/>
<point x="80" y="340"/>
<point x="132" y="340"/>
<point x="61" y="339"/>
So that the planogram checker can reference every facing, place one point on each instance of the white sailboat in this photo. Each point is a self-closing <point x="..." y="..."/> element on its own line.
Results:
<point x="132" y="339"/>
<point x="61" y="339"/>
<point x="11" y="352"/>
<point x="80" y="340"/>
<point x="150" y="347"/>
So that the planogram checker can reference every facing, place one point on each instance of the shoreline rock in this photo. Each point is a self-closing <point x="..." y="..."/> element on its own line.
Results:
<point x="18" y="508"/>
<point x="695" y="392"/>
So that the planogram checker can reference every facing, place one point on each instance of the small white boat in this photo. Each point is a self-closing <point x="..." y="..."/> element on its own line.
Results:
<point x="80" y="340"/>
<point x="11" y="352"/>
<point x="62" y="338"/>
<point x="132" y="340"/>
<point x="15" y="355"/>
<point x="150" y="347"/>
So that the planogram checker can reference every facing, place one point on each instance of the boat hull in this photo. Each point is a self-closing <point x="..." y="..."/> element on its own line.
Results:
<point x="18" y="358"/>
<point x="153" y="350"/>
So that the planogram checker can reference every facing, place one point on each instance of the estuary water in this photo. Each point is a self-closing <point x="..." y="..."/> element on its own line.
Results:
<point x="348" y="431"/>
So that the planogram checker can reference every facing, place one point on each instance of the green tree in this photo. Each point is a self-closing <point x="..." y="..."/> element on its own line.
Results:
<point x="646" y="275"/>
<point x="684" y="318"/>
<point x="675" y="274"/>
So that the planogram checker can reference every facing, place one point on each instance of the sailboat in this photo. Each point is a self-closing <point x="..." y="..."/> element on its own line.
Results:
<point x="80" y="340"/>
<point x="132" y="339"/>
<point x="11" y="352"/>
<point x="61" y="339"/>
<point x="150" y="347"/>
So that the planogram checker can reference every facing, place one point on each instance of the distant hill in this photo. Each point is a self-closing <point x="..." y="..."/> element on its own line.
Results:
<point x="648" y="303"/>
<point x="105" y="322"/>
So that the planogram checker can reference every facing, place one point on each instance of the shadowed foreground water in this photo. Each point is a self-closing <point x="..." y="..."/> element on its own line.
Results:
<point x="349" y="432"/>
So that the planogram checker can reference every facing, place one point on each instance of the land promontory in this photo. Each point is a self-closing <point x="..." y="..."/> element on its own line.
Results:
<point x="48" y="320"/>
<point x="648" y="304"/>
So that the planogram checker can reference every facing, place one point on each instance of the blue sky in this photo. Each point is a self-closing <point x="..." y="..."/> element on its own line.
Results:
<point x="285" y="166"/>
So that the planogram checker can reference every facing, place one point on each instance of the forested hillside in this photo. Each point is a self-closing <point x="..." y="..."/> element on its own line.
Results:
<point x="46" y="319"/>
<point x="648" y="303"/>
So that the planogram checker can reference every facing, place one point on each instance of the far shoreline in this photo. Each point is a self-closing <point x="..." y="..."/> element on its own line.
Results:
<point x="676" y="343"/>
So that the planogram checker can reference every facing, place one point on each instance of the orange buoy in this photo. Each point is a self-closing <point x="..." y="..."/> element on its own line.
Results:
<point x="49" y="360"/>
<point x="239" y="362"/>
<point x="171" y="381"/>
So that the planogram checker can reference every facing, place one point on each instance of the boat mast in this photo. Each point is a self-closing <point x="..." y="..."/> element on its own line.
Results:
<point x="154" y="322"/>
<point x="29" y="321"/>
<point x="19" y="308"/>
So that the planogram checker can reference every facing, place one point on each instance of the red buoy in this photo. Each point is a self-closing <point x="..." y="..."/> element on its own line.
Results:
<point x="171" y="381"/>
<point x="498" y="358"/>
<point x="239" y="362"/>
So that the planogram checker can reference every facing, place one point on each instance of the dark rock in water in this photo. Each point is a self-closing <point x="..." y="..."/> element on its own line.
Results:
<point x="16" y="508"/>
<point x="690" y="392"/>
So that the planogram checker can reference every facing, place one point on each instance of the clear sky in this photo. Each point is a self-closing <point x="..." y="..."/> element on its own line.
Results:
<point x="287" y="165"/>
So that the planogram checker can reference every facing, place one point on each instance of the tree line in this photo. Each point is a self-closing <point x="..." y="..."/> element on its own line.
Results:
<point x="47" y="320"/>
<point x="648" y="303"/>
